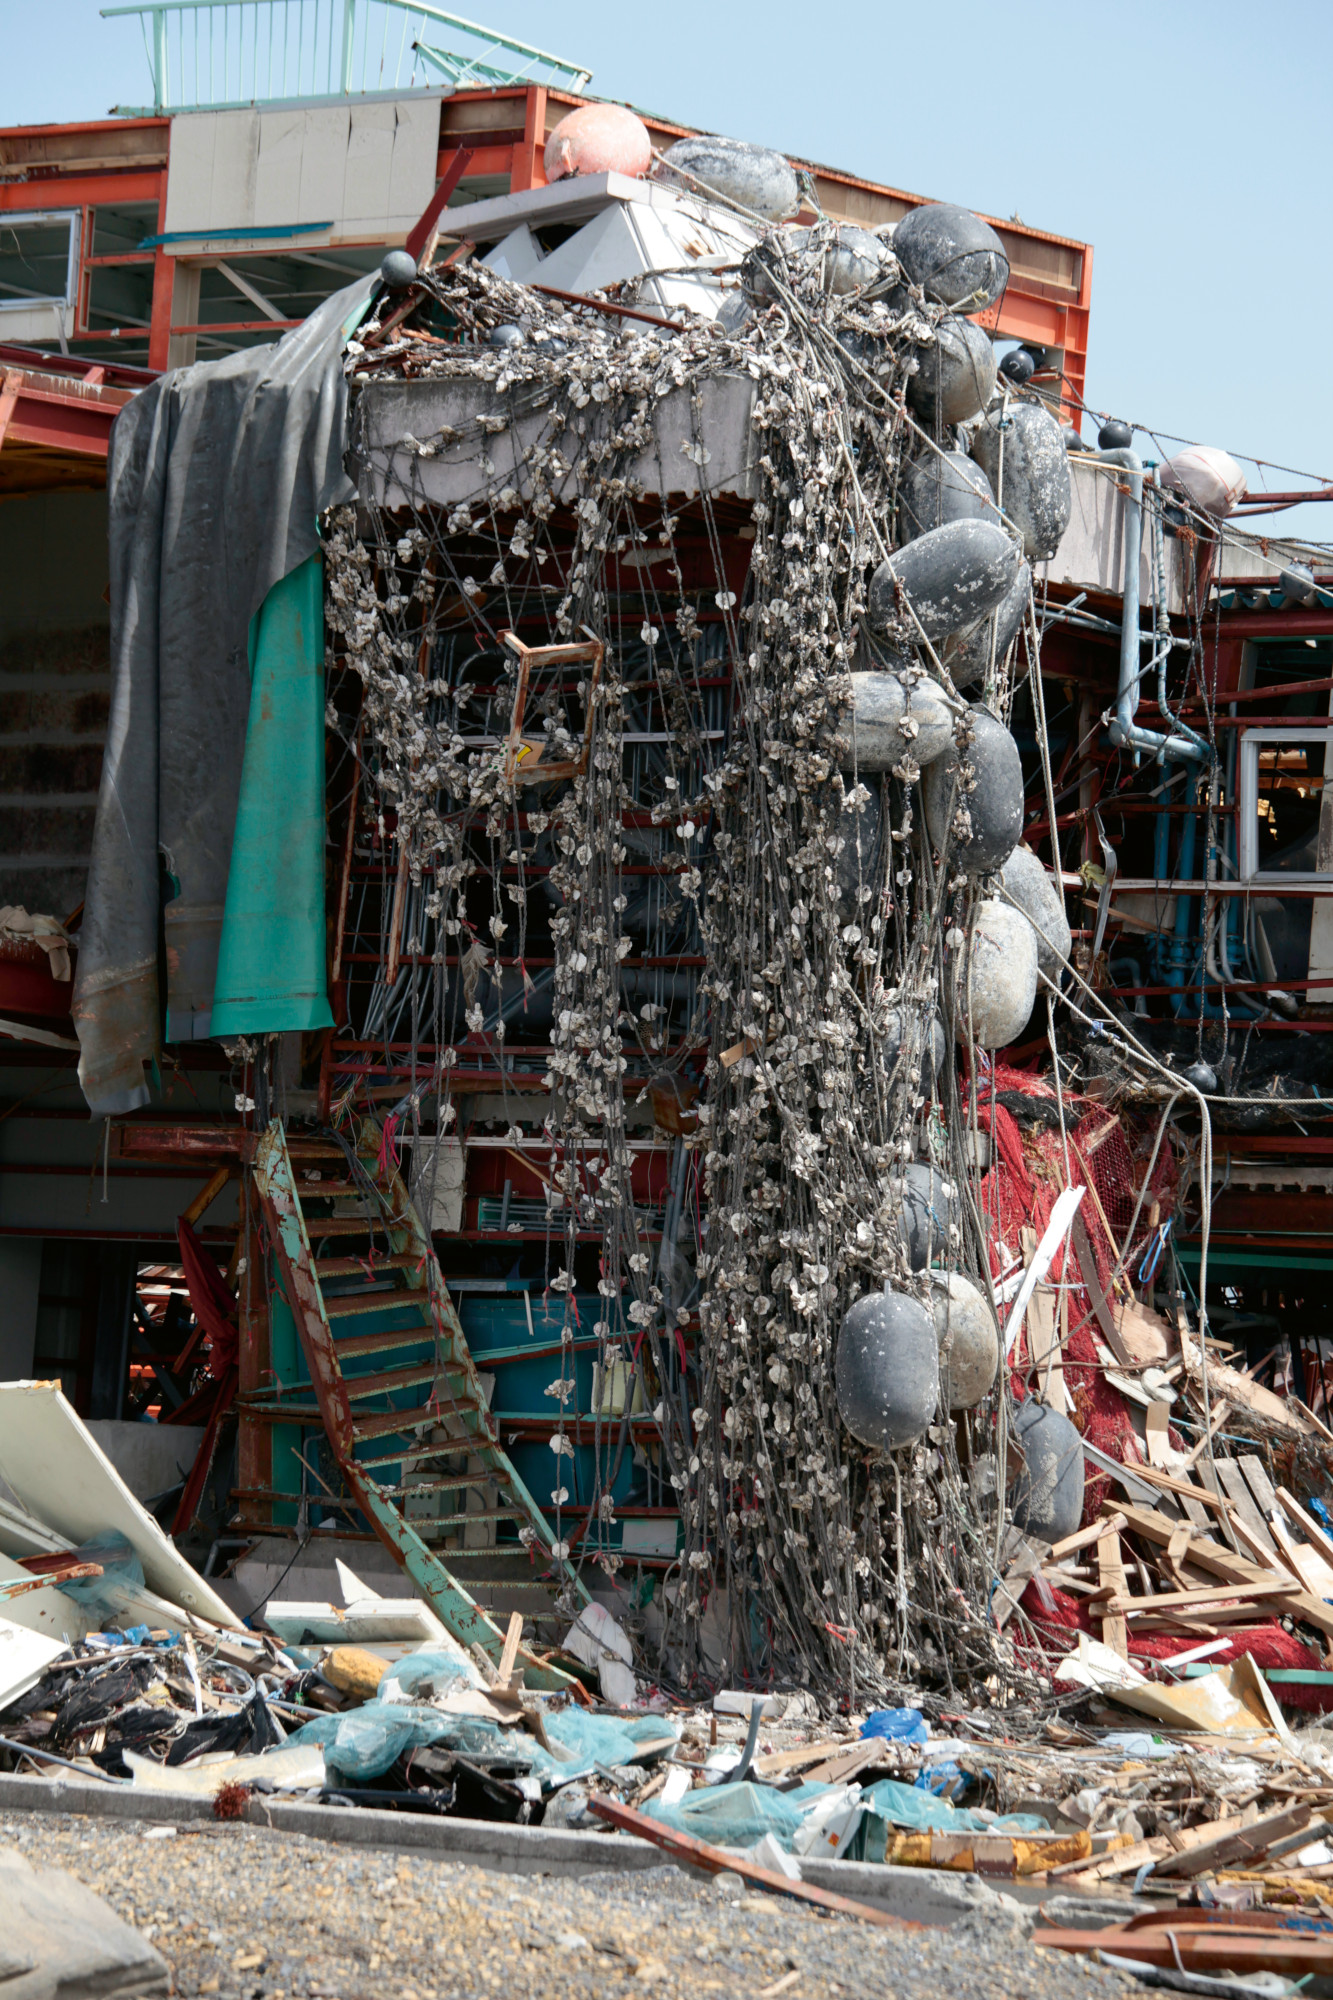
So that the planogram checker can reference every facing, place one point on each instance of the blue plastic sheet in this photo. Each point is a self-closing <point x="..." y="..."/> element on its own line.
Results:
<point x="121" y="1583"/>
<point x="899" y="1725"/>
<point x="734" y="1815"/>
<point x="603" y="1739"/>
<point x="920" y="1811"/>
<point x="365" y="1742"/>
<point x="430" y="1670"/>
<point x="945" y="1779"/>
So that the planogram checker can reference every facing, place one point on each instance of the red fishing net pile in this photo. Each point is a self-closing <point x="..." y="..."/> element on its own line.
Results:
<point x="1027" y="1173"/>
<point x="1108" y="1155"/>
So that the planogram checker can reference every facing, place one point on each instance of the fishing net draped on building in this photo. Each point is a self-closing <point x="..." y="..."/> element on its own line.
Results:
<point x="603" y="620"/>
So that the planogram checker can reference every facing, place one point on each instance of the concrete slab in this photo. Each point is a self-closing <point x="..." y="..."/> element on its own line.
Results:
<point x="927" y="1895"/>
<point x="62" y="1940"/>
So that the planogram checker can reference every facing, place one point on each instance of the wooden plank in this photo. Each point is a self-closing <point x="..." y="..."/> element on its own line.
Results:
<point x="1072" y="1543"/>
<point x="1087" y="1264"/>
<point x="1240" y="1847"/>
<point x="1259" y="1483"/>
<point x="1111" y="1570"/>
<point x="1218" y="1561"/>
<point x="1234" y="1485"/>
<point x="1207" y="1471"/>
<point x="1129" y="1860"/>
<point x="1221" y="1411"/>
<point x="774" y="1761"/>
<point x="1303" y="1561"/>
<point x="718" y="1861"/>
<point x="509" y="1652"/>
<point x="1307" y="1523"/>
<point x="1251" y="1544"/>
<point x="1044" y="1348"/>
<point x="1122" y="1604"/>
<point x="848" y="1764"/>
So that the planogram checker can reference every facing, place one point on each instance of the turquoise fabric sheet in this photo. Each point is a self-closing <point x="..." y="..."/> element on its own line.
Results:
<point x="271" y="961"/>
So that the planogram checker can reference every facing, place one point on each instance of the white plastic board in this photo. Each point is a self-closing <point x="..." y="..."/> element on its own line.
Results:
<point x="56" y="1471"/>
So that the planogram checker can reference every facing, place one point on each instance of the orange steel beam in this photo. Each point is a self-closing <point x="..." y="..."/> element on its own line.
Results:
<point x="78" y="190"/>
<point x="528" y="167"/>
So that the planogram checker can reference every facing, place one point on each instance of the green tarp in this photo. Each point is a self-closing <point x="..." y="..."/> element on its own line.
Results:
<point x="271" y="961"/>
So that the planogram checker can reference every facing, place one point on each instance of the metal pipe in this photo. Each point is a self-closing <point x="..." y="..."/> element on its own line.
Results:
<point x="1124" y="731"/>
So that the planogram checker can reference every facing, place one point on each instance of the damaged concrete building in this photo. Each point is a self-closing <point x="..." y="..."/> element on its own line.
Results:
<point x="663" y="964"/>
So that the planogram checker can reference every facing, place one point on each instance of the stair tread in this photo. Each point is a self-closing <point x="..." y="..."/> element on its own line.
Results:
<point x="401" y="1423"/>
<point x="318" y="1226"/>
<point x="365" y="1267"/>
<point x="390" y="1380"/>
<point x="353" y="1305"/>
<point x="454" y="1524"/>
<point x="353" y="1344"/>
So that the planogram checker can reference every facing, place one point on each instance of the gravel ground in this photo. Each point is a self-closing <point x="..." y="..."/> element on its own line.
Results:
<point x="242" y="1911"/>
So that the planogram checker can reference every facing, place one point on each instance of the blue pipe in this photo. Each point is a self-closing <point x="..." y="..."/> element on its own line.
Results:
<point x="1178" y="951"/>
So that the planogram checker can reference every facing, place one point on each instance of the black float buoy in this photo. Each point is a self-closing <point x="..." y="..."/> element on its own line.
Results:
<point x="887" y="1370"/>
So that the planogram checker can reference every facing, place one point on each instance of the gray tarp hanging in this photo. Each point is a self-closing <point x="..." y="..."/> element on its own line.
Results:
<point x="217" y="475"/>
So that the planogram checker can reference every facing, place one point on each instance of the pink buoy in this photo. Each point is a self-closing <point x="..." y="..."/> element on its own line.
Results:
<point x="1209" y="477"/>
<point x="599" y="139"/>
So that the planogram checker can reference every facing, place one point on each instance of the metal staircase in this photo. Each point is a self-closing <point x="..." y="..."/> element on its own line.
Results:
<point x="396" y="1389"/>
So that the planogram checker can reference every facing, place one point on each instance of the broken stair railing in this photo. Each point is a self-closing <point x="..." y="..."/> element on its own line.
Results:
<point x="365" y="1290"/>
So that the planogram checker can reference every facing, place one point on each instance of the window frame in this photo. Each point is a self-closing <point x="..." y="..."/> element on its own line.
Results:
<point x="21" y="217"/>
<point x="1247" y="800"/>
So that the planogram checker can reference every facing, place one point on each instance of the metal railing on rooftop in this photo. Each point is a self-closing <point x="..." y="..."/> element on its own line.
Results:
<point x="212" y="55"/>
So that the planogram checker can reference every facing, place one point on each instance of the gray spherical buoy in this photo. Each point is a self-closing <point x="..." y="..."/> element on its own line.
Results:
<point x="955" y="375"/>
<point x="886" y="1372"/>
<point x="952" y="578"/>
<point x="992" y="797"/>
<point x="968" y="655"/>
<point x="968" y="1336"/>
<point x="920" y="1038"/>
<point x="998" y="988"/>
<point x="398" y="269"/>
<point x="1115" y="435"/>
<point x="1297" y="585"/>
<point x="944" y="486"/>
<point x="848" y="260"/>
<point x="890" y="720"/>
<point x="1025" y="459"/>
<point x="955" y="257"/>
<point x="506" y="336"/>
<point x="1073" y="438"/>
<point x="752" y="176"/>
<point x="928" y="1209"/>
<point x="734" y="312"/>
<point x="1047" y="1498"/>
<point x="1033" y="888"/>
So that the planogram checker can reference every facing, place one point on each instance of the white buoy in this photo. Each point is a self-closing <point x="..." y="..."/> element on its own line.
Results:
<point x="1032" y="887"/>
<point x="969" y="1338"/>
<point x="999" y="984"/>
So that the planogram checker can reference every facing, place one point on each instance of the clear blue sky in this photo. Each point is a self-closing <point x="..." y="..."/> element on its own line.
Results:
<point x="1190" y="141"/>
